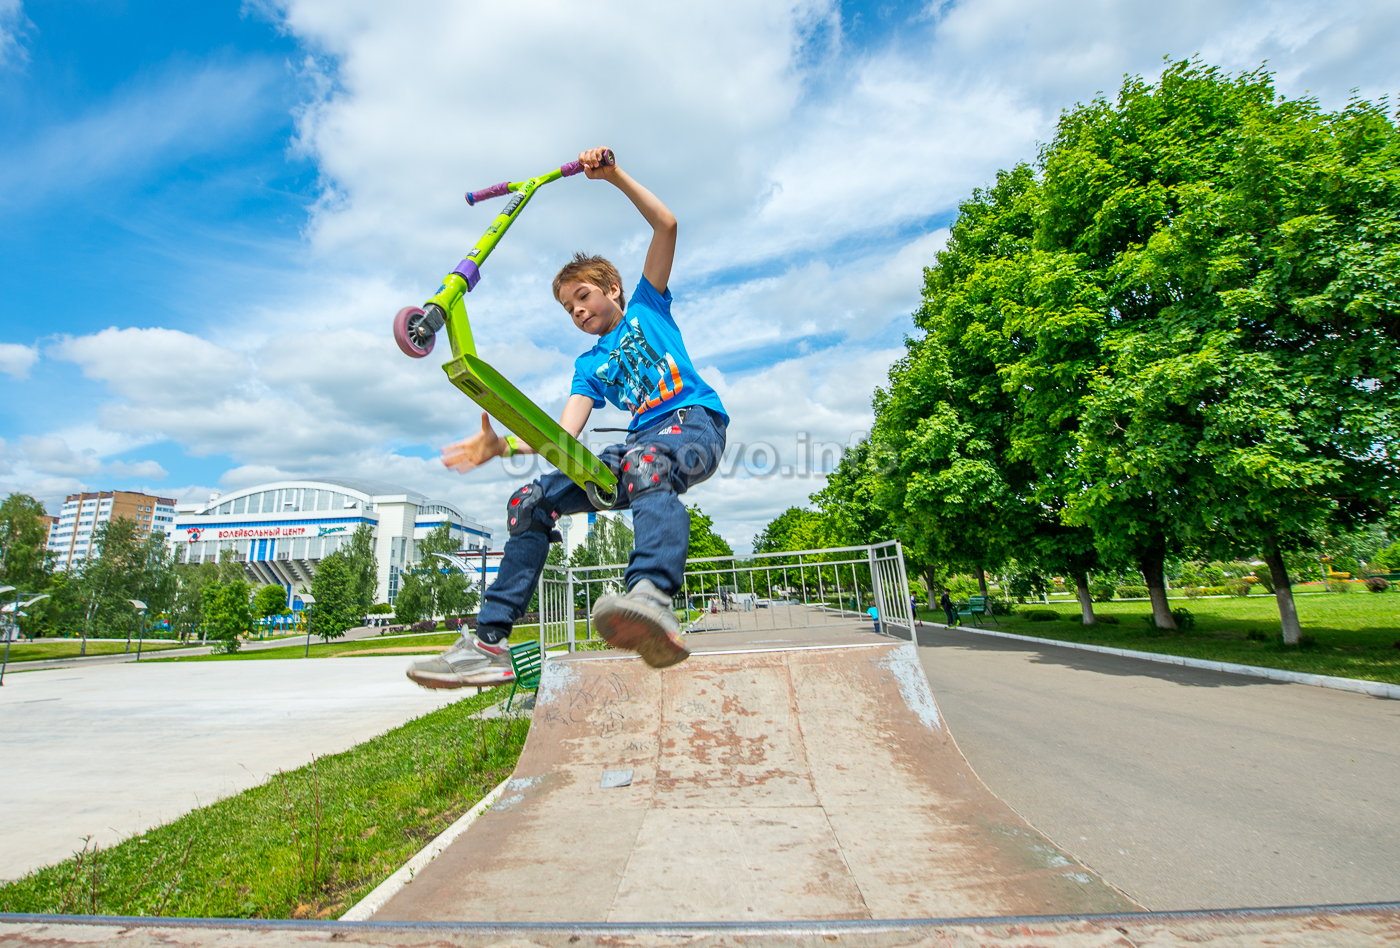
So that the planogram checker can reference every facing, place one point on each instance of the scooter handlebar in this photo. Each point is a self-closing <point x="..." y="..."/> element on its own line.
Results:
<point x="499" y="190"/>
<point x="495" y="191"/>
<point x="575" y="166"/>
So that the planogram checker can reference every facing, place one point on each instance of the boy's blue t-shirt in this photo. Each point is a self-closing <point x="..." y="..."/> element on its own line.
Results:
<point x="642" y="366"/>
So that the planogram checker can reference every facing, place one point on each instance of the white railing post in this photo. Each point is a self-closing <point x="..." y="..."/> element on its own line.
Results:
<point x="569" y="612"/>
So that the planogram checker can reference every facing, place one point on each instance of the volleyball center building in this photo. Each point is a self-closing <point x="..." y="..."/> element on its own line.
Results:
<point x="280" y="531"/>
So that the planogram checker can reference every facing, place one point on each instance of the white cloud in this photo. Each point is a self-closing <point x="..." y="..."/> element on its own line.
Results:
<point x="150" y="470"/>
<point x="12" y="24"/>
<point x="52" y="455"/>
<point x="16" y="360"/>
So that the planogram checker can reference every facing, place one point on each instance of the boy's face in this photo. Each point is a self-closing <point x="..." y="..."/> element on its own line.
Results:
<point x="592" y="309"/>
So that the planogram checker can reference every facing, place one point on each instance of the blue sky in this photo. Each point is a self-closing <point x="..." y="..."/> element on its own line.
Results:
<point x="211" y="211"/>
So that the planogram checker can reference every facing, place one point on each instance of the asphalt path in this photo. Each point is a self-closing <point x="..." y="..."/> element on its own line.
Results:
<point x="1186" y="789"/>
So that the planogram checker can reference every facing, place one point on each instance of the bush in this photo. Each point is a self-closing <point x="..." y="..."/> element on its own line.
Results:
<point x="380" y="609"/>
<point x="1101" y="590"/>
<point x="452" y="623"/>
<point x="1132" y="592"/>
<point x="1340" y="586"/>
<point x="1041" y="615"/>
<point x="1215" y="591"/>
<point x="1377" y="584"/>
<point x="427" y="625"/>
<point x="1265" y="579"/>
<point x="1239" y="589"/>
<point x="1184" y="619"/>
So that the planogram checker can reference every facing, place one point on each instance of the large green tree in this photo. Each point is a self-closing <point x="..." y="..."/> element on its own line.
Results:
<point x="1246" y="249"/>
<point x="703" y="539"/>
<point x="25" y="562"/>
<point x="1177" y="332"/>
<point x="336" y="590"/>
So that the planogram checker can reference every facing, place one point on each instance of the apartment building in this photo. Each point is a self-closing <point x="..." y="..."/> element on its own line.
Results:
<point x="70" y="536"/>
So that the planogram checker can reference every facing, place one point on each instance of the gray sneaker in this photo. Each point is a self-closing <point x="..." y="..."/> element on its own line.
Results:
<point x="644" y="622"/>
<point x="463" y="665"/>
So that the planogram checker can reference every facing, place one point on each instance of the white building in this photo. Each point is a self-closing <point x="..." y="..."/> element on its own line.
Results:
<point x="70" y="536"/>
<point x="281" y="531"/>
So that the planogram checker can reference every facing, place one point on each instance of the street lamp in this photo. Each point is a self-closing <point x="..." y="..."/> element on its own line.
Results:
<point x="140" y="608"/>
<point x="15" y="608"/>
<point x="306" y="600"/>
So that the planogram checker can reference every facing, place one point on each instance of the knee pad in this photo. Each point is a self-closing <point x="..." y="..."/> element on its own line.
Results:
<point x="520" y="513"/>
<point x="645" y="468"/>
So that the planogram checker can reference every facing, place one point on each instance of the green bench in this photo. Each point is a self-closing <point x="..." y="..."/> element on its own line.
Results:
<point x="978" y="606"/>
<point x="526" y="661"/>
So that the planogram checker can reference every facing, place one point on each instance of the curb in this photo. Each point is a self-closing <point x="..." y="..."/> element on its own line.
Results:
<point x="1376" y="689"/>
<point x="392" y="886"/>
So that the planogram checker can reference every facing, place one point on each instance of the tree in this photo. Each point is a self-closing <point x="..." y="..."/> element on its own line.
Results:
<point x="435" y="586"/>
<point x="25" y="562"/>
<point x="269" y="601"/>
<point x="336" y="589"/>
<point x="703" y="539"/>
<point x="227" y="614"/>
<point x="1245" y="250"/>
<point x="794" y="529"/>
<point x="364" y="566"/>
<point x="187" y="613"/>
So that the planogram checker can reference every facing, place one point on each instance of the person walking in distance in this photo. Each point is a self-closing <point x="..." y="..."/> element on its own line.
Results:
<point x="946" y="601"/>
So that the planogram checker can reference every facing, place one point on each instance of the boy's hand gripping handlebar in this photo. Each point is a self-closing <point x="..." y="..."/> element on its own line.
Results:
<point x="415" y="328"/>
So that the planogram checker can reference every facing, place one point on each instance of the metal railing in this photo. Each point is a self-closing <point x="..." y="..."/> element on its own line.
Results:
<point x="796" y="589"/>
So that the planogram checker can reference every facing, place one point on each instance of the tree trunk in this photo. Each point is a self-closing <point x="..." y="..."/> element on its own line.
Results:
<point x="982" y="581"/>
<point x="930" y="581"/>
<point x="1283" y="593"/>
<point x="1151" y="564"/>
<point x="1086" y="601"/>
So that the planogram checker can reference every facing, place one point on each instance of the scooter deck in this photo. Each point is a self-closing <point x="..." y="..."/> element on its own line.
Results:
<point x="489" y="389"/>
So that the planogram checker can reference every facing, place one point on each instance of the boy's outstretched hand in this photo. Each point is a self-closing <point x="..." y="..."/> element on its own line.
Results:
<point x="593" y="167"/>
<point x="475" y="451"/>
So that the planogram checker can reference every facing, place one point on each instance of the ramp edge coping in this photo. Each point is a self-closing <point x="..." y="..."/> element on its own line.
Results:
<point x="584" y="657"/>
<point x="681" y="928"/>
<point x="1376" y="689"/>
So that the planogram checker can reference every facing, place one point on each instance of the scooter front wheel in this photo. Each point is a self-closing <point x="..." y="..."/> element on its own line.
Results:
<point x="596" y="497"/>
<point x="412" y="334"/>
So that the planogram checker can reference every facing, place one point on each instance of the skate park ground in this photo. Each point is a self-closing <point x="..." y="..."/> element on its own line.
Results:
<point x="109" y="750"/>
<point x="1195" y="771"/>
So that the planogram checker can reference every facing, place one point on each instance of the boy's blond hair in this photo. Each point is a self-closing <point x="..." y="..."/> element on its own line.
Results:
<point x="591" y="268"/>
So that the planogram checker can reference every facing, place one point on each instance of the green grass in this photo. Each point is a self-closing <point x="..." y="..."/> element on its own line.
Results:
<point x="1354" y="634"/>
<point x="429" y="640"/>
<point x="44" y="649"/>
<point x="308" y="843"/>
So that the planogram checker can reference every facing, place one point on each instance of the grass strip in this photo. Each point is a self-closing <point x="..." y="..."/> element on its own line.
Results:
<point x="45" y="649"/>
<point x="307" y="843"/>
<point x="1354" y="635"/>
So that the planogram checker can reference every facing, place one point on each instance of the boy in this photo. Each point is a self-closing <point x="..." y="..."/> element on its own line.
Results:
<point x="674" y="441"/>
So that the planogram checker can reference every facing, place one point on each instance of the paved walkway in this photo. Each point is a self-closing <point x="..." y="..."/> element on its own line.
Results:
<point x="1187" y="789"/>
<point x="111" y="750"/>
<point x="759" y="781"/>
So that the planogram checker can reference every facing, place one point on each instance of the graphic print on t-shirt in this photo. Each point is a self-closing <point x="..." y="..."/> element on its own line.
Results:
<point x="640" y="371"/>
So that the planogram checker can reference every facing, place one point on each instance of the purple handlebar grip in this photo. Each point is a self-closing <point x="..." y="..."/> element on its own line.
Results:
<point x="574" y="167"/>
<point x="468" y="271"/>
<point x="495" y="191"/>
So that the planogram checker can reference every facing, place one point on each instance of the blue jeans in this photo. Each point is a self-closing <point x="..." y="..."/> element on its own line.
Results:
<point x="660" y="522"/>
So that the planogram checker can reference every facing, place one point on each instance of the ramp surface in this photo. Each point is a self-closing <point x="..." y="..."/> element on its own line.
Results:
<point x="800" y="782"/>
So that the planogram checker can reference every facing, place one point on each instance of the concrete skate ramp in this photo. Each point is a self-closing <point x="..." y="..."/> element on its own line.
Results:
<point x="799" y="783"/>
